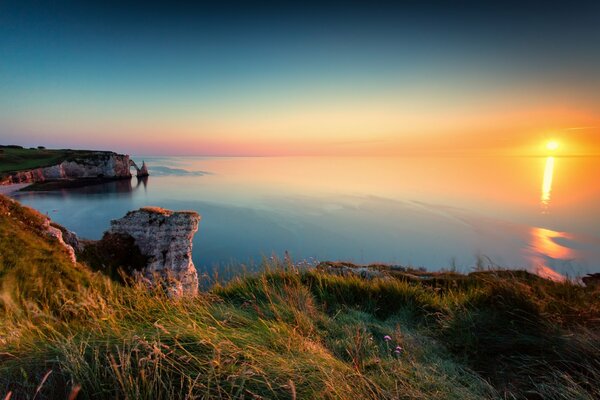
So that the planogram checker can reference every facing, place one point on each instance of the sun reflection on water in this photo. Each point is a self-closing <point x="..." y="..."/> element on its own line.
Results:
<point x="547" y="184"/>
<point x="545" y="242"/>
<point x="544" y="245"/>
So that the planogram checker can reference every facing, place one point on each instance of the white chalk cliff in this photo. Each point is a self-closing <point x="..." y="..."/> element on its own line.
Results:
<point x="165" y="237"/>
<point x="100" y="164"/>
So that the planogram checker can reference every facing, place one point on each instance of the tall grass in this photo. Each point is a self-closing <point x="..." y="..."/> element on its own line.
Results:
<point x="287" y="333"/>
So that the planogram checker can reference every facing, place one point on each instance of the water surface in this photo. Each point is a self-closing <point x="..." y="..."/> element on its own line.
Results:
<point x="542" y="214"/>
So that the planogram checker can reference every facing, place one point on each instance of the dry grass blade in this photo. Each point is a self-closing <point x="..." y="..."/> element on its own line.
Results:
<point x="292" y="389"/>
<point x="39" y="388"/>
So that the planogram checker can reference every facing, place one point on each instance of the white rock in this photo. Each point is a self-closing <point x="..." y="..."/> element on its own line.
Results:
<point x="97" y="164"/>
<point x="58" y="235"/>
<point x="165" y="237"/>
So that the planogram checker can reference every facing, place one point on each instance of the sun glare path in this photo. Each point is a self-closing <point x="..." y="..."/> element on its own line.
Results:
<point x="547" y="183"/>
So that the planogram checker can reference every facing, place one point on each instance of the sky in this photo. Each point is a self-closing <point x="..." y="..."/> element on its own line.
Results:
<point x="417" y="78"/>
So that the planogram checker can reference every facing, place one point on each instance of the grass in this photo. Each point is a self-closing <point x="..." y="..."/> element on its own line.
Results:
<point x="14" y="158"/>
<point x="287" y="333"/>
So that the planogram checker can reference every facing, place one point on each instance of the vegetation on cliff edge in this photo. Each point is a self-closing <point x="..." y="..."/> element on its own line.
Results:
<point x="287" y="333"/>
<point x="16" y="158"/>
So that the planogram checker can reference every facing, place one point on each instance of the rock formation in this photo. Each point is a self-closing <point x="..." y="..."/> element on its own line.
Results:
<point x="56" y="232"/>
<point x="143" y="171"/>
<point x="39" y="224"/>
<point x="592" y="280"/>
<point x="348" y="269"/>
<point x="165" y="237"/>
<point x="70" y="238"/>
<point x="140" y="172"/>
<point x="100" y="164"/>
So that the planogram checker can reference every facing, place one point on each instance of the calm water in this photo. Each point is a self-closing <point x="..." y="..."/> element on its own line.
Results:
<point x="539" y="213"/>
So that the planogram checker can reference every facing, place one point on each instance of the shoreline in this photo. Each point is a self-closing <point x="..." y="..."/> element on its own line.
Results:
<point x="12" y="187"/>
<point x="72" y="183"/>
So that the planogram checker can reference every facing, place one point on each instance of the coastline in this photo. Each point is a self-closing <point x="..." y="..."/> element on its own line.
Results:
<point x="13" y="187"/>
<point x="366" y="328"/>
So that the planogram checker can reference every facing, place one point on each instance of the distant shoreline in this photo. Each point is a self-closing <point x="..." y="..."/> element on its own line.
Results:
<point x="56" y="169"/>
<point x="12" y="188"/>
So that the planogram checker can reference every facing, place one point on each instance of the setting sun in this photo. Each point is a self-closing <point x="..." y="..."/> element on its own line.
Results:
<point x="552" y="145"/>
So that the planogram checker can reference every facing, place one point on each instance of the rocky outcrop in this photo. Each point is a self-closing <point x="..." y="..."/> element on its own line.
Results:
<point x="386" y="271"/>
<point x="165" y="238"/>
<point x="140" y="172"/>
<point x="143" y="171"/>
<point x="346" y="269"/>
<point x="40" y="224"/>
<point x="100" y="164"/>
<point x="70" y="238"/>
<point x="592" y="280"/>
<point x="56" y="232"/>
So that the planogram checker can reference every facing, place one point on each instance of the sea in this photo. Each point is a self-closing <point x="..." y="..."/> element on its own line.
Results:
<point x="439" y="213"/>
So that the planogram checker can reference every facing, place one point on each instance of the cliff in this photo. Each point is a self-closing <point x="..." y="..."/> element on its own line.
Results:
<point x="151" y="243"/>
<point x="97" y="164"/>
<point x="165" y="238"/>
<point x="39" y="225"/>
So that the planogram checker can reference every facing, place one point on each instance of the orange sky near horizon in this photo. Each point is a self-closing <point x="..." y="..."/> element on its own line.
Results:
<point x="384" y="127"/>
<point x="407" y="79"/>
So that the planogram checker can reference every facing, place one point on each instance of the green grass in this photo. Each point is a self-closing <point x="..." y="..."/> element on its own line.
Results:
<point x="286" y="333"/>
<point x="14" y="159"/>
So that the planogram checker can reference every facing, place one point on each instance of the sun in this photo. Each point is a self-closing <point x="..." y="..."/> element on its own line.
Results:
<point x="552" y="145"/>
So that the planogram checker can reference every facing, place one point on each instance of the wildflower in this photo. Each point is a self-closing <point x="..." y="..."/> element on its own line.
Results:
<point x="387" y="338"/>
<point x="399" y="349"/>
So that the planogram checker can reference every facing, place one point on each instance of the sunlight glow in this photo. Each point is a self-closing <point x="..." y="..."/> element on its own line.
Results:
<point x="552" y="145"/>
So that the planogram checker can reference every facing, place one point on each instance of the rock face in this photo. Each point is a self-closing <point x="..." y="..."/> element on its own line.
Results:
<point x="57" y="233"/>
<point x="70" y="238"/>
<point x="165" y="237"/>
<point x="101" y="164"/>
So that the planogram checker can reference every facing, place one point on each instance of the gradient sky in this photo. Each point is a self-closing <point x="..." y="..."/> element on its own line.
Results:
<point x="334" y="79"/>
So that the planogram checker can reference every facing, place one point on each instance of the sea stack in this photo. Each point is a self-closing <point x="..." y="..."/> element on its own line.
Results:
<point x="143" y="171"/>
<point x="165" y="237"/>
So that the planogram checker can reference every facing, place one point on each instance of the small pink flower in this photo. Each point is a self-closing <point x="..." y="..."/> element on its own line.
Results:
<point x="387" y="338"/>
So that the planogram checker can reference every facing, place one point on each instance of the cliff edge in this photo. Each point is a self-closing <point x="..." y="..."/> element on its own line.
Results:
<point x="93" y="165"/>
<point x="152" y="244"/>
<point x="40" y="165"/>
<point x="165" y="238"/>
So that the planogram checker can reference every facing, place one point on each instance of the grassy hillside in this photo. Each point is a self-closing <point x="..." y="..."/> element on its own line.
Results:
<point x="15" y="158"/>
<point x="65" y="330"/>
